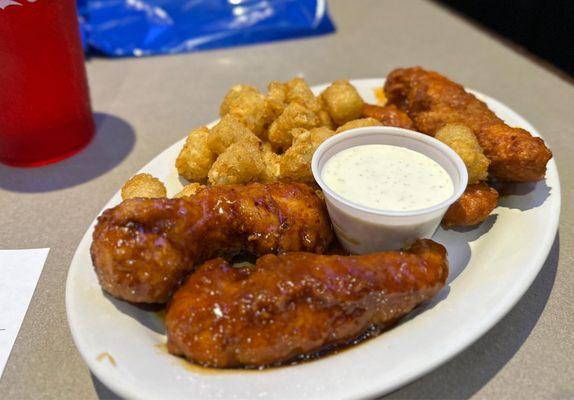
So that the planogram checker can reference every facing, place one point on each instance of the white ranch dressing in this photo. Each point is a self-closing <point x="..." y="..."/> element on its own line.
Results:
<point x="387" y="178"/>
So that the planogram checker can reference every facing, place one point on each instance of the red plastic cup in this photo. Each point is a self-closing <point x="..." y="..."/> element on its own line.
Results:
<point x="45" y="113"/>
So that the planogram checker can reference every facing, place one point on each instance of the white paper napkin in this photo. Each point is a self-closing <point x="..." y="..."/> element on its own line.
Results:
<point x="19" y="274"/>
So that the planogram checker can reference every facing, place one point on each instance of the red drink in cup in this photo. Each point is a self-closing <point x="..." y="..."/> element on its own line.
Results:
<point x="45" y="112"/>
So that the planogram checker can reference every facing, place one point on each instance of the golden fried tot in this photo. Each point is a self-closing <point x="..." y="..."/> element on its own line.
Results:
<point x="189" y="190"/>
<point x="462" y="140"/>
<point x="272" y="162"/>
<point x="298" y="90"/>
<point x="228" y="130"/>
<point x="358" y="123"/>
<point x="143" y="185"/>
<point x="242" y="162"/>
<point x="195" y="158"/>
<point x="294" y="116"/>
<point x="250" y="107"/>
<point x="295" y="163"/>
<point x="342" y="102"/>
<point x="277" y="97"/>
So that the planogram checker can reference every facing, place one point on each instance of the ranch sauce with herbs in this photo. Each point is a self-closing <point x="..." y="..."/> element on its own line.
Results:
<point x="386" y="177"/>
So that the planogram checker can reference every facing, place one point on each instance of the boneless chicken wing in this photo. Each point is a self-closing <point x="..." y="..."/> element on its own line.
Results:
<point x="297" y="303"/>
<point x="143" y="248"/>
<point x="432" y="101"/>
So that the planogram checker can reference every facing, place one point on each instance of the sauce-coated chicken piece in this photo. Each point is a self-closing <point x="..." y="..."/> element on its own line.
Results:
<point x="297" y="303"/>
<point x="432" y="101"/>
<point x="143" y="248"/>
<point x="473" y="207"/>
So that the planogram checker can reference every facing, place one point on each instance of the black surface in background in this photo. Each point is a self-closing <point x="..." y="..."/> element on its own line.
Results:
<point x="543" y="27"/>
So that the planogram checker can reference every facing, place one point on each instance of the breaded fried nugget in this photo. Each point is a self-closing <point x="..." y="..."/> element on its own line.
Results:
<point x="189" y="190"/>
<point x="229" y="130"/>
<point x="388" y="115"/>
<point x="277" y="97"/>
<point x="195" y="158"/>
<point x="461" y="139"/>
<point x="242" y="162"/>
<point x="143" y="185"/>
<point x="473" y="207"/>
<point x="432" y="101"/>
<point x="294" y="116"/>
<point x="295" y="163"/>
<point x="249" y="106"/>
<point x="272" y="163"/>
<point x="342" y="102"/>
<point x="298" y="90"/>
<point x="358" y="123"/>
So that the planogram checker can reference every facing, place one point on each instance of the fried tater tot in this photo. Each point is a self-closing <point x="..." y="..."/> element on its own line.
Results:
<point x="295" y="163"/>
<point x="228" y="131"/>
<point x="189" y="190"/>
<point x="195" y="158"/>
<point x="389" y="115"/>
<point x="277" y="97"/>
<point x="143" y="185"/>
<point x="242" y="162"/>
<point x="294" y="116"/>
<point x="461" y="139"/>
<point x="473" y="207"/>
<point x="272" y="164"/>
<point x="342" y="102"/>
<point x="358" y="123"/>
<point x="298" y="90"/>
<point x="249" y="106"/>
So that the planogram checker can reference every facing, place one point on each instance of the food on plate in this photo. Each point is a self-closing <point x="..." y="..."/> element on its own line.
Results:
<point x="387" y="177"/>
<point x="143" y="248"/>
<point x="299" y="91"/>
<point x="295" y="163"/>
<point x="242" y="162"/>
<point x="227" y="131"/>
<point x="342" y="102"/>
<point x="249" y="106"/>
<point x="461" y="139"/>
<point x="473" y="207"/>
<point x="195" y="158"/>
<point x="189" y="190"/>
<point x="297" y="303"/>
<point x="358" y="123"/>
<point x="143" y="185"/>
<point x="295" y="115"/>
<point x="432" y="100"/>
<point x="388" y="115"/>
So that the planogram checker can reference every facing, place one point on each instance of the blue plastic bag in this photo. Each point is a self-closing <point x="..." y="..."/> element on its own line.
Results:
<point x="145" y="27"/>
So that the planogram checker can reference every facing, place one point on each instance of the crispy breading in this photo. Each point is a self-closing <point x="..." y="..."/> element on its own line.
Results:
<point x="473" y="207"/>
<point x="461" y="139"/>
<point x="295" y="163"/>
<point x="250" y="107"/>
<point x="242" y="162"/>
<point x="272" y="163"/>
<point x="294" y="116"/>
<point x="277" y="97"/>
<point x="143" y="185"/>
<point x="298" y="90"/>
<point x="195" y="158"/>
<point x="342" y="102"/>
<point x="229" y="130"/>
<point x="189" y="190"/>
<point x="358" y="123"/>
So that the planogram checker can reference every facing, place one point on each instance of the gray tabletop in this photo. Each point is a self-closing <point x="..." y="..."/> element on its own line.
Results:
<point x="144" y="105"/>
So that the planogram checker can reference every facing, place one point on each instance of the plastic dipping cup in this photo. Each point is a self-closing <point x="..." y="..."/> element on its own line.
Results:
<point x="363" y="229"/>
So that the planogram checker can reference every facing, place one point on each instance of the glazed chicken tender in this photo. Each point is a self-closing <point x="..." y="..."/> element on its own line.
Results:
<point x="297" y="303"/>
<point x="143" y="248"/>
<point x="342" y="102"/>
<point x="461" y="139"/>
<point x="195" y="158"/>
<point x="143" y="185"/>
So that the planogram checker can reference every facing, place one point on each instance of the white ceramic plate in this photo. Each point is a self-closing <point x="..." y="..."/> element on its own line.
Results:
<point x="491" y="268"/>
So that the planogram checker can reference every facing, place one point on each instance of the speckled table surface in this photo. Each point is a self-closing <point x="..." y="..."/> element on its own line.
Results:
<point x="144" y="105"/>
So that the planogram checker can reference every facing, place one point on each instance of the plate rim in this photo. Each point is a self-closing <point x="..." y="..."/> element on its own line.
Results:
<point x="514" y="294"/>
